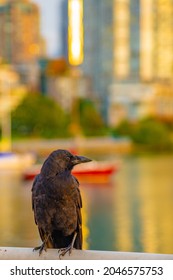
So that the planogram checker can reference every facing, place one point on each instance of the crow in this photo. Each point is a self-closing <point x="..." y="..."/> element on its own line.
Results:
<point x="57" y="203"/>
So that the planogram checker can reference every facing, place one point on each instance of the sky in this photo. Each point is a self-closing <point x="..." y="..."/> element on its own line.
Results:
<point x="50" y="22"/>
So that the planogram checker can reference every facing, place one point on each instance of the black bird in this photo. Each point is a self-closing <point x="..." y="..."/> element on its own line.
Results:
<point x="56" y="202"/>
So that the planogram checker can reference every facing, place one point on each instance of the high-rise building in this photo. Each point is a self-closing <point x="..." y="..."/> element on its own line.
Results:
<point x="143" y="52"/>
<point x="125" y="42"/>
<point x="143" y="40"/>
<point x="64" y="29"/>
<point x="96" y="41"/>
<point x="72" y="31"/>
<point x="20" y="39"/>
<point x="156" y="39"/>
<point x="98" y="47"/>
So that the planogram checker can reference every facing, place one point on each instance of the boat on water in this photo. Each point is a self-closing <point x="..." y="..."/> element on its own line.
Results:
<point x="12" y="161"/>
<point x="99" y="169"/>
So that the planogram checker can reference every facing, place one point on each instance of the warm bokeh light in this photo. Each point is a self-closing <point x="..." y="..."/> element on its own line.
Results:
<point x="146" y="40"/>
<point x="75" y="32"/>
<point x="121" y="38"/>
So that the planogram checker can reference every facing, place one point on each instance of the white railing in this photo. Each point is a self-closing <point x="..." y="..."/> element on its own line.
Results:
<point x="13" y="253"/>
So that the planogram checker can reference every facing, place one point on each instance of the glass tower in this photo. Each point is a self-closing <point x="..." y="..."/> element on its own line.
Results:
<point x="98" y="47"/>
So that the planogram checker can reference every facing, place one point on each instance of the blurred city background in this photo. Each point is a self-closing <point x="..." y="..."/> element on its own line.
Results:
<point x="94" y="77"/>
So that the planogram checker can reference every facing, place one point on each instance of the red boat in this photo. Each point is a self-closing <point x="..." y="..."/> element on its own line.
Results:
<point x="94" y="169"/>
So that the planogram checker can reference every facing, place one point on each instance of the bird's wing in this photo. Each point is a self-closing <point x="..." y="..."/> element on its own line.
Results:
<point x="34" y="188"/>
<point x="78" y="241"/>
<point x="43" y="209"/>
<point x="39" y="208"/>
<point x="78" y="202"/>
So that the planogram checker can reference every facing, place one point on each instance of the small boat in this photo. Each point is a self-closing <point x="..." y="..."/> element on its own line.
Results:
<point x="95" y="168"/>
<point x="12" y="161"/>
<point x="91" y="169"/>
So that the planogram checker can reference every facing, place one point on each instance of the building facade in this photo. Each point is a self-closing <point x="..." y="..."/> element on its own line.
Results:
<point x="143" y="40"/>
<point x="97" y="40"/>
<point x="126" y="42"/>
<point x="156" y="39"/>
<point x="98" y="47"/>
<point x="143" y="55"/>
<point x="20" y="39"/>
<point x="64" y="29"/>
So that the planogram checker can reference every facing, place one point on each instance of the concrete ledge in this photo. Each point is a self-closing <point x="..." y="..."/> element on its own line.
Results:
<point x="13" y="253"/>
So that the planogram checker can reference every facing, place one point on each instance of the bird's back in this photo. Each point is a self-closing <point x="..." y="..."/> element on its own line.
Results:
<point x="57" y="208"/>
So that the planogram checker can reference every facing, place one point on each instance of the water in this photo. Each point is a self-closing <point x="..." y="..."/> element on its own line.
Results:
<point x="133" y="212"/>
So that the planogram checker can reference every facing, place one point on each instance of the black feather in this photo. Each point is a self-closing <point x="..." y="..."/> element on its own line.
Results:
<point x="56" y="201"/>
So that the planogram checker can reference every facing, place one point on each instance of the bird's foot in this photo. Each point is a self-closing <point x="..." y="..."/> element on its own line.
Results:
<point x="40" y="248"/>
<point x="69" y="248"/>
<point x="63" y="251"/>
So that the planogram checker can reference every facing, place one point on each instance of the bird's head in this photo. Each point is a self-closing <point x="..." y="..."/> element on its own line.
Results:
<point x="61" y="160"/>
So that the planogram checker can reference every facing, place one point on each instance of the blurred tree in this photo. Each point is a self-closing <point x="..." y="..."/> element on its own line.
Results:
<point x="39" y="116"/>
<point x="91" y="121"/>
<point x="125" y="129"/>
<point x="152" y="133"/>
<point x="147" y="133"/>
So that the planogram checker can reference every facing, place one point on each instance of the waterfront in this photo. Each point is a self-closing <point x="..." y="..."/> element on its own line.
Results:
<point x="131" y="213"/>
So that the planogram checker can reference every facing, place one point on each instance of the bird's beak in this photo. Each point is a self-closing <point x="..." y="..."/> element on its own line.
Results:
<point x="80" y="159"/>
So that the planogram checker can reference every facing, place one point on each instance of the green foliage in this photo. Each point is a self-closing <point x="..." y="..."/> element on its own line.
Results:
<point x="125" y="128"/>
<point x="39" y="116"/>
<point x="152" y="133"/>
<point x="91" y="121"/>
<point x="148" y="133"/>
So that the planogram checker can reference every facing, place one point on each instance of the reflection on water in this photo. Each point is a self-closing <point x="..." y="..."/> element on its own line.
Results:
<point x="144" y="205"/>
<point x="16" y="218"/>
<point x="131" y="213"/>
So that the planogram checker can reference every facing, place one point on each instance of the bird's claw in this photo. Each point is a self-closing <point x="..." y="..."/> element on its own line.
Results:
<point x="40" y="248"/>
<point x="63" y="251"/>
